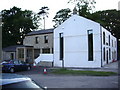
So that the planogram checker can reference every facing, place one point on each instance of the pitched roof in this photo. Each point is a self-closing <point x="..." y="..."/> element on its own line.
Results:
<point x="13" y="48"/>
<point x="40" y="32"/>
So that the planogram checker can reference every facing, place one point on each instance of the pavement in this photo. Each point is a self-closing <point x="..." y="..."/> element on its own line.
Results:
<point x="111" y="67"/>
<point x="73" y="81"/>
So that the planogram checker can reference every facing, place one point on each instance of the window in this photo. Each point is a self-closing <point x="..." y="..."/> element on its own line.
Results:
<point x="61" y="46"/>
<point x="21" y="62"/>
<point x="104" y="38"/>
<point x="46" y="39"/>
<point x="104" y="53"/>
<point x="52" y="50"/>
<point x="115" y="44"/>
<point x="90" y="45"/>
<point x="16" y="62"/>
<point x="36" y="53"/>
<point x="36" y="40"/>
<point x="46" y="50"/>
<point x="109" y="54"/>
<point x="115" y="55"/>
<point x="20" y="53"/>
<point x="112" y="55"/>
<point x="109" y="40"/>
<point x="112" y="43"/>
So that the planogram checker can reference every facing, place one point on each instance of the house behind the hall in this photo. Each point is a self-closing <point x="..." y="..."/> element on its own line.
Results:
<point x="35" y="43"/>
<point x="41" y="40"/>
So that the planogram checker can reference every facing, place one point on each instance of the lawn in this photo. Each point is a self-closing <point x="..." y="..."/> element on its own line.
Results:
<point x="79" y="72"/>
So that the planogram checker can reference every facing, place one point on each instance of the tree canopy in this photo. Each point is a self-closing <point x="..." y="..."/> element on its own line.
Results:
<point x="109" y="19"/>
<point x="83" y="8"/>
<point x="16" y="24"/>
<point x="61" y="16"/>
<point x="44" y="12"/>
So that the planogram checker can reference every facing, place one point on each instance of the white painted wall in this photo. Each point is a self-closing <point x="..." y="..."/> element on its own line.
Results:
<point x="107" y="47"/>
<point x="76" y="43"/>
<point x="44" y="57"/>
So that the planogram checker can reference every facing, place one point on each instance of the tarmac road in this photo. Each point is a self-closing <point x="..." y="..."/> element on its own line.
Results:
<point x="70" y="81"/>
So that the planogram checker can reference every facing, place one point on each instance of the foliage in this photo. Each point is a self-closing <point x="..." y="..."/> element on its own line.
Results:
<point x="16" y="24"/>
<point x="61" y="16"/>
<point x="44" y="12"/>
<point x="81" y="72"/>
<point x="83" y="7"/>
<point x="109" y="19"/>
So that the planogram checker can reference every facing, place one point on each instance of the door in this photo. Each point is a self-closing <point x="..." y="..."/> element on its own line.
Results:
<point x="12" y="56"/>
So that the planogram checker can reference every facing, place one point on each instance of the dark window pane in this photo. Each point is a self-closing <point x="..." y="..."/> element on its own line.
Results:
<point x="36" y="40"/>
<point x="104" y="53"/>
<point x="109" y="40"/>
<point x="36" y="53"/>
<point x="46" y="39"/>
<point x="104" y="38"/>
<point x="109" y="54"/>
<point x="21" y="53"/>
<point x="61" y="46"/>
<point x="90" y="45"/>
<point x="46" y="50"/>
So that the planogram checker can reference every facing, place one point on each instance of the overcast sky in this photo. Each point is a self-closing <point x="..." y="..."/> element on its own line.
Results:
<point x="53" y="5"/>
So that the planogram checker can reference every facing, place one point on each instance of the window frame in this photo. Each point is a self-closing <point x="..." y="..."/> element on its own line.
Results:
<point x="46" y="50"/>
<point x="21" y="53"/>
<point x="90" y="45"/>
<point x="61" y="44"/>
<point x="104" y="54"/>
<point x="36" y="40"/>
<point x="46" y="39"/>
<point x="104" y="38"/>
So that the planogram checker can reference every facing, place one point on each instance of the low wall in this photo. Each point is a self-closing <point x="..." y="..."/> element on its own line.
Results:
<point x="44" y="60"/>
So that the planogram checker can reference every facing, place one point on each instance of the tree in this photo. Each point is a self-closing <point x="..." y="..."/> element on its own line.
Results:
<point x="44" y="13"/>
<point x="61" y="16"/>
<point x="109" y="19"/>
<point x="84" y="7"/>
<point x="16" y="24"/>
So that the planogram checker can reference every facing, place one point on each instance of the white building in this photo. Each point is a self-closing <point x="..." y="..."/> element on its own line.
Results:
<point x="80" y="42"/>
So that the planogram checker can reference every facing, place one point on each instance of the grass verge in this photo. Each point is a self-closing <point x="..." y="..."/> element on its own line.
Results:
<point x="78" y="72"/>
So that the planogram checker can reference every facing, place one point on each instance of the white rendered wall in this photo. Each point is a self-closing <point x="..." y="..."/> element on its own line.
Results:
<point x="107" y="47"/>
<point x="76" y="43"/>
<point x="44" y="57"/>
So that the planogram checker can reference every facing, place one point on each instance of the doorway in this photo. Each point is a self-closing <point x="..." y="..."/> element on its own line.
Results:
<point x="12" y="56"/>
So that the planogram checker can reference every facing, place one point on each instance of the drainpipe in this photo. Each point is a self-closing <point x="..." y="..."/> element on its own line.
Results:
<point x="101" y="44"/>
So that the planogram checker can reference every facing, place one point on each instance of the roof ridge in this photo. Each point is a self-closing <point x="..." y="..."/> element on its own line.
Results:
<point x="40" y="32"/>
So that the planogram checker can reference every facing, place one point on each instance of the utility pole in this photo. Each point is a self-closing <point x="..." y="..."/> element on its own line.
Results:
<point x="43" y="12"/>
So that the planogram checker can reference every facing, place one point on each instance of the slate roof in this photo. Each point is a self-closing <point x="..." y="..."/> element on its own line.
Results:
<point x="12" y="48"/>
<point x="40" y="32"/>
